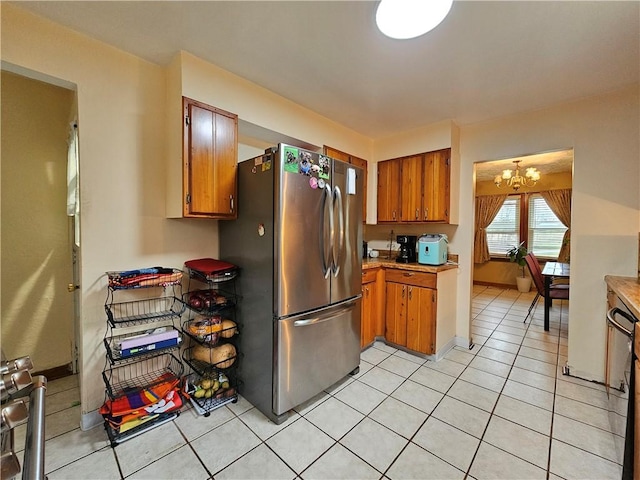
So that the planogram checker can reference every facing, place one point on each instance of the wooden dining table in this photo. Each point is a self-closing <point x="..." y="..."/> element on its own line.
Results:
<point x="550" y="271"/>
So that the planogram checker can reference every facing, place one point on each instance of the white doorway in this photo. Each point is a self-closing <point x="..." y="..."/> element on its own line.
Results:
<point x="37" y="249"/>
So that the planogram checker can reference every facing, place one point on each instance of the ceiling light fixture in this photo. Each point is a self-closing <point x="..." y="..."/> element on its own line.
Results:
<point x="404" y="19"/>
<point x="515" y="180"/>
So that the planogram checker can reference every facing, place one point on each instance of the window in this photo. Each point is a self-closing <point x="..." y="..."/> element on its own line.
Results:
<point x="504" y="231"/>
<point x="546" y="232"/>
<point x="526" y="217"/>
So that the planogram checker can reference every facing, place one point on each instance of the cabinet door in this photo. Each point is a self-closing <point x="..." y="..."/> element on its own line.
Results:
<point x="411" y="189"/>
<point x="359" y="162"/>
<point x="436" y="186"/>
<point x="396" y="313"/>
<point x="421" y="319"/>
<point x="388" y="191"/>
<point x="210" y="164"/>
<point x="368" y="321"/>
<point x="333" y="153"/>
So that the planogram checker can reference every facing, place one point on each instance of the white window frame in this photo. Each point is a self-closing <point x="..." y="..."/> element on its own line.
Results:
<point x="522" y="228"/>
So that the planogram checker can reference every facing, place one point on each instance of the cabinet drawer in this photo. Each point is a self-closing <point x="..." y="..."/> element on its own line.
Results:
<point x="427" y="280"/>
<point x="369" y="275"/>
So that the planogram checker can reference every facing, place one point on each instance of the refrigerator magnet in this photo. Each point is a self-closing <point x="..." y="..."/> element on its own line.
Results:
<point x="291" y="160"/>
<point x="321" y="183"/>
<point x="305" y="163"/>
<point x="266" y="166"/>
<point x="313" y="182"/>
<point x="325" y="167"/>
<point x="261" y="229"/>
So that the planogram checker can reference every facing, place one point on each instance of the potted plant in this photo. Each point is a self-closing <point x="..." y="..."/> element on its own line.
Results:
<point x="516" y="254"/>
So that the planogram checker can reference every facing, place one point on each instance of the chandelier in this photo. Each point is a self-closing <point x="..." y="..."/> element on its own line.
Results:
<point x="515" y="180"/>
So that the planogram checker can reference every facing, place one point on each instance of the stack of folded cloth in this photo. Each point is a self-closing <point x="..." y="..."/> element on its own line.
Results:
<point x="140" y="406"/>
<point x="144" y="277"/>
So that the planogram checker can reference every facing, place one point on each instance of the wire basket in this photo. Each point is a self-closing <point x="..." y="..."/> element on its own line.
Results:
<point x="209" y="300"/>
<point x="144" y="278"/>
<point x="131" y="378"/>
<point x="204" y="359"/>
<point x="119" y="355"/>
<point x="138" y="312"/>
<point x="217" y="399"/>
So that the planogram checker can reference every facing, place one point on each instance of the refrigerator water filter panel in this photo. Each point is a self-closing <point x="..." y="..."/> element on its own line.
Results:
<point x="351" y="181"/>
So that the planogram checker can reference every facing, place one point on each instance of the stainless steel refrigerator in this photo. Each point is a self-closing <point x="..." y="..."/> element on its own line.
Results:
<point x="298" y="242"/>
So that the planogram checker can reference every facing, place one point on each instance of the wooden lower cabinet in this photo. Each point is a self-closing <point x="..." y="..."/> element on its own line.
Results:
<point x="410" y="314"/>
<point x="372" y="300"/>
<point x="396" y="313"/>
<point x="421" y="319"/>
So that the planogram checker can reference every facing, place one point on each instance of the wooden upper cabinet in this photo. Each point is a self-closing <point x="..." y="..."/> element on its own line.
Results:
<point x="333" y="153"/>
<point x="389" y="191"/>
<point x="415" y="189"/>
<point x="411" y="189"/>
<point x="437" y="169"/>
<point x="210" y="151"/>
<point x="358" y="162"/>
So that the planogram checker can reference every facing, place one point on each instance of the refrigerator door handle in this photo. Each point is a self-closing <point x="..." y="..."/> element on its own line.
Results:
<point x="325" y="240"/>
<point x="337" y="255"/>
<point x="325" y="316"/>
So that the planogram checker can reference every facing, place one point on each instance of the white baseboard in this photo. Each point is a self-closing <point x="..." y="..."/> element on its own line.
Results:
<point x="90" y="420"/>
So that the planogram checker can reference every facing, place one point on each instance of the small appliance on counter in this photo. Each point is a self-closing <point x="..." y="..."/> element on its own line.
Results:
<point x="432" y="249"/>
<point x="407" y="252"/>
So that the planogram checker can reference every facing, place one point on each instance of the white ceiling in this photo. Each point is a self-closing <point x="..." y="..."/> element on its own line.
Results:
<point x="486" y="60"/>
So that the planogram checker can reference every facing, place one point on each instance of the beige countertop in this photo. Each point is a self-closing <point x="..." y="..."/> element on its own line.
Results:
<point x="414" y="267"/>
<point x="628" y="289"/>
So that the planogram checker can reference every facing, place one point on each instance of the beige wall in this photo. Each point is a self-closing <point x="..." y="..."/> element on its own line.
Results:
<point x="121" y="109"/>
<point x="603" y="131"/>
<point x="37" y="310"/>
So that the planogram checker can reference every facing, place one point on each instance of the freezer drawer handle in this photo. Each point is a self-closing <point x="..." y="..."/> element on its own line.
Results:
<point x="614" y="323"/>
<point x="322" y="318"/>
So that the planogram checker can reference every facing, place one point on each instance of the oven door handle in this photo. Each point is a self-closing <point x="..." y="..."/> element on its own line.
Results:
<point x="614" y="323"/>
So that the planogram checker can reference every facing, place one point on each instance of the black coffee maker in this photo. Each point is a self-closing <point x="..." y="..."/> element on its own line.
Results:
<point x="407" y="252"/>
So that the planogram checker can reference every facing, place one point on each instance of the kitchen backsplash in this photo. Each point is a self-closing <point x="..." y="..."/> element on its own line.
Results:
<point x="383" y="237"/>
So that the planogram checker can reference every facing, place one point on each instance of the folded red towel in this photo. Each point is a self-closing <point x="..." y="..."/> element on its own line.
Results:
<point x="209" y="266"/>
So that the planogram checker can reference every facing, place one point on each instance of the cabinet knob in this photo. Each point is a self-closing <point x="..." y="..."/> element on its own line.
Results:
<point x="410" y="292"/>
<point x="417" y="213"/>
<point x="231" y="198"/>
<point x="394" y="215"/>
<point x="403" y="289"/>
<point x="72" y="288"/>
<point x="426" y="213"/>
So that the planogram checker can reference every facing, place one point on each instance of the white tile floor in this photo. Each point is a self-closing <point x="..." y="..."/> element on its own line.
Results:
<point x="502" y="410"/>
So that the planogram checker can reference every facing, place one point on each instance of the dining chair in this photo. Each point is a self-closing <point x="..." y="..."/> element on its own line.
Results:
<point x="556" y="291"/>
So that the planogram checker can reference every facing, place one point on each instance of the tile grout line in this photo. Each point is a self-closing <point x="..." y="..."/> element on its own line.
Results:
<point x="553" y="407"/>
<point x="494" y="408"/>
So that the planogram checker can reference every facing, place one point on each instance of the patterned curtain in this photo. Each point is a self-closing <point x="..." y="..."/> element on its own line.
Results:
<point x="487" y="207"/>
<point x="559" y="202"/>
